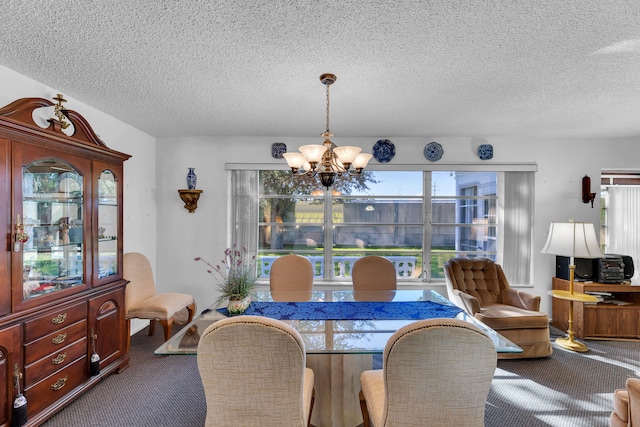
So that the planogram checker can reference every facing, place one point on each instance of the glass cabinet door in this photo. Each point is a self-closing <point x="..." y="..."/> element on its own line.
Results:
<point x="52" y="222"/>
<point x="107" y="225"/>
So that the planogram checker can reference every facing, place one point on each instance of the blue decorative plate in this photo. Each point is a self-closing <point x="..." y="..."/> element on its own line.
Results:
<point x="433" y="151"/>
<point x="384" y="150"/>
<point x="485" y="151"/>
<point x="278" y="149"/>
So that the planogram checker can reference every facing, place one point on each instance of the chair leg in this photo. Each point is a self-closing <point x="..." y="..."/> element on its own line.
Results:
<point x="191" y="308"/>
<point x="152" y="327"/>
<point x="127" y="327"/>
<point x="166" y="326"/>
<point x="313" y="399"/>
<point x="365" y="412"/>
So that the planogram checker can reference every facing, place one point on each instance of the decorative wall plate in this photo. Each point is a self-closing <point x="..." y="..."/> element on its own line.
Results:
<point x="278" y="149"/>
<point x="384" y="150"/>
<point x="485" y="151"/>
<point x="433" y="151"/>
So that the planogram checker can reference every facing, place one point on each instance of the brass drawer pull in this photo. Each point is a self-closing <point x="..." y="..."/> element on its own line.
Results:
<point x="59" y="358"/>
<point x="59" y="319"/>
<point x="60" y="383"/>
<point x="59" y="339"/>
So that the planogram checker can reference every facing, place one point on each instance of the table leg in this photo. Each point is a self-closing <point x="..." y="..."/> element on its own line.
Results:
<point x="337" y="383"/>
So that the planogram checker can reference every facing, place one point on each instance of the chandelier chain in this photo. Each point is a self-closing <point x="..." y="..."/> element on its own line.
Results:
<point x="328" y="104"/>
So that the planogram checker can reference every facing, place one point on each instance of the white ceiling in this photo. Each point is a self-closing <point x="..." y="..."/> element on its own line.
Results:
<point x="435" y="68"/>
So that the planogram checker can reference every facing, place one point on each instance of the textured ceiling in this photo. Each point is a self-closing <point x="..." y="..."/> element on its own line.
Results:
<point x="487" y="68"/>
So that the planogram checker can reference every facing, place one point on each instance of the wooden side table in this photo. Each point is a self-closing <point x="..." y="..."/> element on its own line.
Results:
<point x="617" y="320"/>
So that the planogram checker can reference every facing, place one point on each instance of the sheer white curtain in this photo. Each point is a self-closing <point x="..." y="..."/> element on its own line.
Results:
<point x="245" y="209"/>
<point x="623" y="221"/>
<point x="515" y="219"/>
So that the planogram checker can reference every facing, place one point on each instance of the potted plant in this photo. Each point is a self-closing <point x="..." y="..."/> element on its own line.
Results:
<point x="236" y="279"/>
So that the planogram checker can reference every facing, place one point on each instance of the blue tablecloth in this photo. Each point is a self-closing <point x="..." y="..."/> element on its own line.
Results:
<point x="349" y="310"/>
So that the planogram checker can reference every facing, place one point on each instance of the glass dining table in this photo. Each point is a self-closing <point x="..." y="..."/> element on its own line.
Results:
<point x="339" y="349"/>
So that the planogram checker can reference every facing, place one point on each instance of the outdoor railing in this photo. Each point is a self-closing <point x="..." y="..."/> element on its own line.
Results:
<point x="404" y="265"/>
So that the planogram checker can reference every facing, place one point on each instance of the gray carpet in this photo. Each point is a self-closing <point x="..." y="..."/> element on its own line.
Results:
<point x="565" y="390"/>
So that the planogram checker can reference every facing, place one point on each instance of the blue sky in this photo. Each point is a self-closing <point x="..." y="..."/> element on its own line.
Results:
<point x="410" y="183"/>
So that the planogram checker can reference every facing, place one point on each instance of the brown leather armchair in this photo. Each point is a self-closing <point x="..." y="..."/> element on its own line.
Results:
<point x="626" y="405"/>
<point x="479" y="286"/>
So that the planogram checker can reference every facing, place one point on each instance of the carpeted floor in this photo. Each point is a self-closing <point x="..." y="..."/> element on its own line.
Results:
<point x="565" y="390"/>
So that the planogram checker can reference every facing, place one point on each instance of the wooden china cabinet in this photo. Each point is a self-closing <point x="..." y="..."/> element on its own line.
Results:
<point x="61" y="284"/>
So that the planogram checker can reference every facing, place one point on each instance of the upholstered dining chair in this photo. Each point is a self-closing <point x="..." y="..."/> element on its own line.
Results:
<point x="373" y="273"/>
<point x="435" y="372"/>
<point x="254" y="373"/>
<point x="626" y="405"/>
<point x="479" y="286"/>
<point x="291" y="278"/>
<point x="142" y="302"/>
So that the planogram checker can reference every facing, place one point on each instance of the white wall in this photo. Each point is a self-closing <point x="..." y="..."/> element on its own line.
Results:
<point x="157" y="225"/>
<point x="139" y="171"/>
<point x="182" y="236"/>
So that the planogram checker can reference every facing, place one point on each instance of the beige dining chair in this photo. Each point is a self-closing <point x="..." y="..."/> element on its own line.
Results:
<point x="373" y="273"/>
<point x="142" y="302"/>
<point x="254" y="373"/>
<point x="436" y="372"/>
<point x="291" y="278"/>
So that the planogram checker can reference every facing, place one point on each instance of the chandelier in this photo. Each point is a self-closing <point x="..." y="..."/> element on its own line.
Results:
<point x="327" y="160"/>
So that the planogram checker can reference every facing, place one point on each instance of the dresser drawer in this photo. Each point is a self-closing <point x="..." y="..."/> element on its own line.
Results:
<point x="55" y="361"/>
<point x="52" y="388"/>
<point x="54" y="320"/>
<point x="48" y="344"/>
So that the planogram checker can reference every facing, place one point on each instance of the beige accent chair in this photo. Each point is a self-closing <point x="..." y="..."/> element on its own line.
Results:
<point x="254" y="373"/>
<point x="479" y="286"/>
<point x="373" y="273"/>
<point x="436" y="372"/>
<point x="626" y="405"/>
<point x="291" y="278"/>
<point x="142" y="302"/>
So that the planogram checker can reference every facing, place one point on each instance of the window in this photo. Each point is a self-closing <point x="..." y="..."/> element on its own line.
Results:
<point x="384" y="213"/>
<point x="619" y="227"/>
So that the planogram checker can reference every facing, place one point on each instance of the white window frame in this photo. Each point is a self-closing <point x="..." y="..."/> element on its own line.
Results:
<point x="521" y="264"/>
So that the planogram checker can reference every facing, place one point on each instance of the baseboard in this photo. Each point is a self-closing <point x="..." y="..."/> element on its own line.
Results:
<point x="137" y="325"/>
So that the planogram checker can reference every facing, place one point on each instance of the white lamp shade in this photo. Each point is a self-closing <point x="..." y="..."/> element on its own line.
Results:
<point x="572" y="239"/>
<point x="362" y="160"/>
<point x="294" y="160"/>
<point x="347" y="153"/>
<point x="313" y="153"/>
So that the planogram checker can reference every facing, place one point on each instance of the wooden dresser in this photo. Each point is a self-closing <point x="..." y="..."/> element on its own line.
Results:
<point x="602" y="320"/>
<point x="61" y="284"/>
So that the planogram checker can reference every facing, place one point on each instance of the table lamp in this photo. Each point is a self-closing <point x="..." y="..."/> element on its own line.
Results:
<point x="572" y="239"/>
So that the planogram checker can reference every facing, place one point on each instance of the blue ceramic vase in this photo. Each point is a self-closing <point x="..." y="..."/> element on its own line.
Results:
<point x="192" y="179"/>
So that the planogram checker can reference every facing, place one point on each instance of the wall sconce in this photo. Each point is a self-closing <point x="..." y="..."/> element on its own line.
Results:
<point x="587" y="195"/>
<point x="190" y="199"/>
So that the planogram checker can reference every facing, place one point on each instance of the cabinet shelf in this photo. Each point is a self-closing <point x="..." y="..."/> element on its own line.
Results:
<point x="47" y="248"/>
<point x="54" y="197"/>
